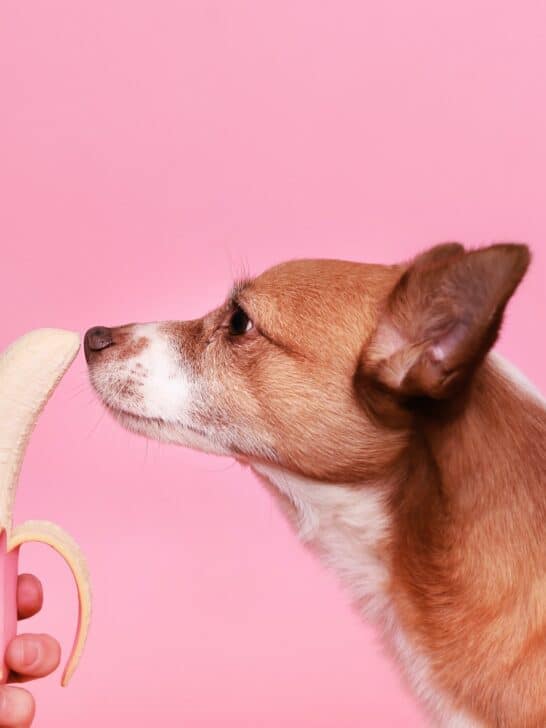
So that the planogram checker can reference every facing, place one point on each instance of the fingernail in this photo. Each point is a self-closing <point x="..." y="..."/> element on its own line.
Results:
<point x="30" y="652"/>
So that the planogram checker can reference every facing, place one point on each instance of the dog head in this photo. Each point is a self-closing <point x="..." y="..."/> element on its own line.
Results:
<point x="316" y="365"/>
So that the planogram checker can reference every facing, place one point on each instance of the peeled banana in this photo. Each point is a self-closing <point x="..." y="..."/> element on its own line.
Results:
<point x="30" y="369"/>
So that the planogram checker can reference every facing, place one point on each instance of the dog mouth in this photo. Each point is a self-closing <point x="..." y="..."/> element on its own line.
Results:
<point x="136" y="420"/>
<point x="145" y="409"/>
<point x="128" y="417"/>
<point x="123" y="413"/>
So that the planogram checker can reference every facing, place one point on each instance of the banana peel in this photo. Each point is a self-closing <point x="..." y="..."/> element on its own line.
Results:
<point x="30" y="369"/>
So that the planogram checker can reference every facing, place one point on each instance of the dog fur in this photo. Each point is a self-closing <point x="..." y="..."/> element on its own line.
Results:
<point x="405" y="453"/>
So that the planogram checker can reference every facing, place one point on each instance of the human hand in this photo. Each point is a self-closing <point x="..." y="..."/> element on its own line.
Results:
<point x="28" y="656"/>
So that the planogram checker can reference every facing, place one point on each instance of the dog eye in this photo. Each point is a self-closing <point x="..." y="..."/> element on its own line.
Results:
<point x="239" y="323"/>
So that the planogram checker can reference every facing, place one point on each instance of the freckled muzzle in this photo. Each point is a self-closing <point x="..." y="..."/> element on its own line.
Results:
<point x="156" y="379"/>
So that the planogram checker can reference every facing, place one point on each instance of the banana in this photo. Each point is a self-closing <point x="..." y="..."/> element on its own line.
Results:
<point x="30" y="369"/>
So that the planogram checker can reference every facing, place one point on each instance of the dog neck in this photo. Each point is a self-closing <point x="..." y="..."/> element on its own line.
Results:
<point x="415" y="548"/>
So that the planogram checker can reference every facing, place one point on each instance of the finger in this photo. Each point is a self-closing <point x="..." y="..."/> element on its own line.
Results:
<point x="32" y="655"/>
<point x="16" y="707"/>
<point x="30" y="596"/>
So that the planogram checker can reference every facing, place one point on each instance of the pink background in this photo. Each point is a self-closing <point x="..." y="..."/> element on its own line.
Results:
<point x="149" y="152"/>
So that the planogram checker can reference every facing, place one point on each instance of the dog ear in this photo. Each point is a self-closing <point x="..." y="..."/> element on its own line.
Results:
<point x="442" y="318"/>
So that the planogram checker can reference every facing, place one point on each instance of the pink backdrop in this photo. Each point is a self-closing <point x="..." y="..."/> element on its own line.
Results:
<point x="149" y="152"/>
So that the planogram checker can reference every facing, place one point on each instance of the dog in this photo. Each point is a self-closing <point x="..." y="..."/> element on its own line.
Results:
<point x="405" y="452"/>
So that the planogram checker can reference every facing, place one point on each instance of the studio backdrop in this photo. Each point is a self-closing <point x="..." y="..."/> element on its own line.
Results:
<point x="150" y="153"/>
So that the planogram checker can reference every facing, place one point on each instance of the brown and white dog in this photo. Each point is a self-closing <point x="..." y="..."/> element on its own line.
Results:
<point x="408" y="456"/>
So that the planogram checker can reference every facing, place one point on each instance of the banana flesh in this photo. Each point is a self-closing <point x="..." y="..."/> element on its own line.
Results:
<point x="30" y="369"/>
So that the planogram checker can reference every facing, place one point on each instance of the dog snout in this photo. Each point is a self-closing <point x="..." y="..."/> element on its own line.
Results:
<point x="97" y="339"/>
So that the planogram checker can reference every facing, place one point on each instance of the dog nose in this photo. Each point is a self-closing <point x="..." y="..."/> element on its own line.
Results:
<point x="96" y="339"/>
